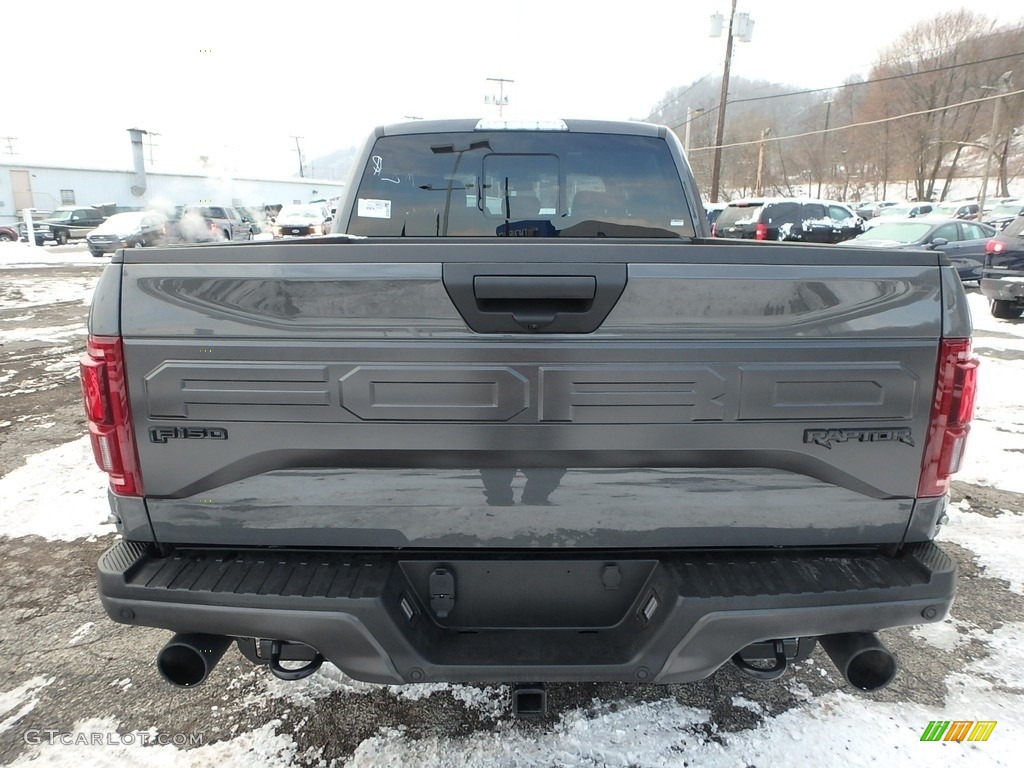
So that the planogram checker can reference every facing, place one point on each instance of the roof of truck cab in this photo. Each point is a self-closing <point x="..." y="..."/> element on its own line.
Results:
<point x="469" y="125"/>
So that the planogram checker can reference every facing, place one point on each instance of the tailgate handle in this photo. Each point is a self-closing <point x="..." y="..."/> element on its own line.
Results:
<point x="534" y="297"/>
<point x="535" y="287"/>
<point x="534" y="301"/>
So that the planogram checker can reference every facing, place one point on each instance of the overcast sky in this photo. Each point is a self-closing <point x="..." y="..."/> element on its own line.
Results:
<point x="235" y="81"/>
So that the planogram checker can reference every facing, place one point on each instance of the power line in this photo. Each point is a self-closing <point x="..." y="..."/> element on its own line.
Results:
<point x="880" y="79"/>
<point x="865" y="123"/>
<point x="848" y="85"/>
<point x="677" y="97"/>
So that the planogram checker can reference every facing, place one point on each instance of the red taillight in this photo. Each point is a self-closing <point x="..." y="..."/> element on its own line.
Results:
<point x="106" y="406"/>
<point x="761" y="232"/>
<point x="714" y="230"/>
<point x="952" y="409"/>
<point x="995" y="246"/>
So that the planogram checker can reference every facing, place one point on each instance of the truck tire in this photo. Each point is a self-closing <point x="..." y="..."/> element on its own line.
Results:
<point x="1005" y="310"/>
<point x="62" y="237"/>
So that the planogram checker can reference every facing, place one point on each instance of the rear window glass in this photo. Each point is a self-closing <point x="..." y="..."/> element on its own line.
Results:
<point x="734" y="215"/>
<point x="781" y="213"/>
<point x="206" y="212"/>
<point x="520" y="184"/>
<point x="1015" y="228"/>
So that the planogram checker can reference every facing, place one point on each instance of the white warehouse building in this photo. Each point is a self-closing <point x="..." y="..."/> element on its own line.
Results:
<point x="45" y="187"/>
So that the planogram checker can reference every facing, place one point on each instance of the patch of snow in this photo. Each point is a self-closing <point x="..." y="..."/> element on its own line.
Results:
<point x="19" y="701"/>
<point x="995" y="541"/>
<point x="59" y="494"/>
<point x="82" y="632"/>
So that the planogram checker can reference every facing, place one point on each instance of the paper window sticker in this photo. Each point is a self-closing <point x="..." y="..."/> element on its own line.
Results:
<point x="373" y="209"/>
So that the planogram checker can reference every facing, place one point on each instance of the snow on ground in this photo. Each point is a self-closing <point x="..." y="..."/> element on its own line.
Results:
<point x="995" y="447"/>
<point x="23" y="254"/>
<point x="61" y="496"/>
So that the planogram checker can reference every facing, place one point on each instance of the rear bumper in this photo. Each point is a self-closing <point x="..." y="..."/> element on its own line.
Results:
<point x="664" y="618"/>
<point x="1003" y="289"/>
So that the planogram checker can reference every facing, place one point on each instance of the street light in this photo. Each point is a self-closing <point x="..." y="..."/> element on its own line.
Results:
<point x="741" y="26"/>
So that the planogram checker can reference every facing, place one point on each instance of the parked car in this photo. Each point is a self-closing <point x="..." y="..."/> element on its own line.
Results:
<point x="963" y="242"/>
<point x="901" y="211"/>
<point x="812" y="221"/>
<point x="302" y="220"/>
<point x="1002" y="277"/>
<point x="8" y="234"/>
<point x="965" y="211"/>
<point x="1004" y="213"/>
<point x="137" y="229"/>
<point x="211" y="223"/>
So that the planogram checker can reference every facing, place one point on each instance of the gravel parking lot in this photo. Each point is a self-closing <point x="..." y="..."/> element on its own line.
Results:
<point x="77" y="689"/>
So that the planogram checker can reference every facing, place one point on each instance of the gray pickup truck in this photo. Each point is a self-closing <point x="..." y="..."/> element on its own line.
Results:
<point x="520" y="419"/>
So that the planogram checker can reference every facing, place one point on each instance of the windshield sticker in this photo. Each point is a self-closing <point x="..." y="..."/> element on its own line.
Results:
<point x="374" y="209"/>
<point x="678" y="223"/>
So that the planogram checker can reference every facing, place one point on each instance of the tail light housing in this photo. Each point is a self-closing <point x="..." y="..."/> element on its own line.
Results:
<point x="105" y="393"/>
<point x="955" y="388"/>
<point x="761" y="232"/>
<point x="714" y="230"/>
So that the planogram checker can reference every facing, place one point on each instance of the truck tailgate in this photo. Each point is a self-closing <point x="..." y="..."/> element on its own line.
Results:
<point x="348" y="393"/>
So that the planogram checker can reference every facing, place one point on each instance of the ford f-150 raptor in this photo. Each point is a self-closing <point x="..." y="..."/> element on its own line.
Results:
<point x="519" y="419"/>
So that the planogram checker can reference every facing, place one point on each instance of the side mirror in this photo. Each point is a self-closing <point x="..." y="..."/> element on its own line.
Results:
<point x="938" y="241"/>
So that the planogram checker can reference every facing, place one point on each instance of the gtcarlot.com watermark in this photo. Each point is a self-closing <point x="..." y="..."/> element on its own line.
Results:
<point x="36" y="736"/>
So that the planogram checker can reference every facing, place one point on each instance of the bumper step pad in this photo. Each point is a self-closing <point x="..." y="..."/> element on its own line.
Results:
<point x="650" y="616"/>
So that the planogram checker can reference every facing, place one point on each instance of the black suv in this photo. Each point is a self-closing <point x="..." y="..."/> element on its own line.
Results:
<point x="1002" y="277"/>
<point x="811" y="221"/>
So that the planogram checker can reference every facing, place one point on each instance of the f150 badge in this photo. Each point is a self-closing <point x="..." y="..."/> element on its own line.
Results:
<point x="163" y="434"/>
<point x="825" y="437"/>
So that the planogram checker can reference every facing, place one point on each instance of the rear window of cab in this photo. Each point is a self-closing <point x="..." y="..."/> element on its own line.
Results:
<point x="520" y="184"/>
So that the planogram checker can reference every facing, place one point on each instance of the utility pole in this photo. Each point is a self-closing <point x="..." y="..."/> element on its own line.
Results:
<point x="501" y="99"/>
<point x="824" y="144"/>
<point x="298" y="149"/>
<point x="993" y="137"/>
<point x="691" y="114"/>
<point x="743" y="26"/>
<point x="760" y="161"/>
